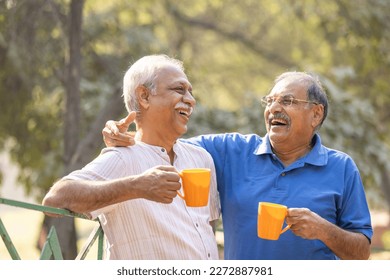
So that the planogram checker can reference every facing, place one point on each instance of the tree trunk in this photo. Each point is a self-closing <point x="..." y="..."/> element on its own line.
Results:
<point x="386" y="185"/>
<point x="65" y="227"/>
<point x="87" y="147"/>
<point x="78" y="152"/>
<point x="72" y="111"/>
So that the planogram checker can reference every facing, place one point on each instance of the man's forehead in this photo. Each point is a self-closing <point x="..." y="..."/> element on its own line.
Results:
<point x="172" y="73"/>
<point x="288" y="85"/>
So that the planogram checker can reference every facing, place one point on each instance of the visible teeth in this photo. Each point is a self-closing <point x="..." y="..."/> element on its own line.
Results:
<point x="185" y="112"/>
<point x="278" y="122"/>
<point x="278" y="119"/>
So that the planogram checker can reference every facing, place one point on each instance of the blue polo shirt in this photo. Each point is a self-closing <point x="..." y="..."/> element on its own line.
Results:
<point x="325" y="181"/>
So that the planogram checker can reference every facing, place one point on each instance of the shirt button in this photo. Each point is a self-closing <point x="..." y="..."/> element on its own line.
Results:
<point x="162" y="150"/>
<point x="196" y="224"/>
<point x="208" y="255"/>
<point x="283" y="174"/>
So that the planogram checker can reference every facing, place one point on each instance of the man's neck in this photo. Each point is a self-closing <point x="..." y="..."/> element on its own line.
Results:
<point x="289" y="155"/>
<point x="157" y="139"/>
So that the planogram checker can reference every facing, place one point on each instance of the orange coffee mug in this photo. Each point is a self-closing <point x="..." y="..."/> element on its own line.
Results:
<point x="196" y="186"/>
<point x="270" y="220"/>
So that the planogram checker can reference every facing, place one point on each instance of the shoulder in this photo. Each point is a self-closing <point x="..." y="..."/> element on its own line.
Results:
<point x="339" y="157"/>
<point x="124" y="156"/>
<point x="233" y="138"/>
<point x="190" y="148"/>
<point x="109" y="164"/>
<point x="192" y="152"/>
<point x="337" y="154"/>
<point x="115" y="152"/>
<point x="123" y="151"/>
<point x="331" y="157"/>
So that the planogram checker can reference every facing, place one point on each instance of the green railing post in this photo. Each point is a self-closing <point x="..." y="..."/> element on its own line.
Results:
<point x="100" y="244"/>
<point x="41" y="208"/>
<point x="8" y="243"/>
<point x="52" y="247"/>
<point x="91" y="239"/>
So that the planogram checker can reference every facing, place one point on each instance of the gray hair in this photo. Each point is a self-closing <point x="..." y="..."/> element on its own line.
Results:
<point x="144" y="73"/>
<point x="315" y="90"/>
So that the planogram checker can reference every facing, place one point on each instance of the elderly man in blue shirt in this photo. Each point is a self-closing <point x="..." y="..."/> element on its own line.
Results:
<point x="322" y="188"/>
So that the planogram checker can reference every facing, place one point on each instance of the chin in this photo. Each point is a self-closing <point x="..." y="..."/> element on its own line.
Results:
<point x="180" y="132"/>
<point x="184" y="131"/>
<point x="275" y="137"/>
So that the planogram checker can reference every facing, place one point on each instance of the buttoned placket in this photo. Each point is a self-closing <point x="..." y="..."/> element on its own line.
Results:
<point x="280" y="187"/>
<point x="176" y="163"/>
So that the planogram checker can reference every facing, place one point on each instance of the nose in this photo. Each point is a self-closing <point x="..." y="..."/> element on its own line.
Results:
<point x="189" y="98"/>
<point x="274" y="107"/>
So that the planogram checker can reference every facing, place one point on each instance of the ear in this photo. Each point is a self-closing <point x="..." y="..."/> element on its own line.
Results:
<point x="143" y="94"/>
<point x="318" y="115"/>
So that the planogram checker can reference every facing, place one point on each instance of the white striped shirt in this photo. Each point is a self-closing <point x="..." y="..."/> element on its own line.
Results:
<point x="144" y="229"/>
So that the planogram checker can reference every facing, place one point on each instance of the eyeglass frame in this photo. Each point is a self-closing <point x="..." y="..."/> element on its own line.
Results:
<point x="282" y="99"/>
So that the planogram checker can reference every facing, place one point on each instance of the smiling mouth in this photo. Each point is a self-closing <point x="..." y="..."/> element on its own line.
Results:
<point x="185" y="113"/>
<point x="278" y="122"/>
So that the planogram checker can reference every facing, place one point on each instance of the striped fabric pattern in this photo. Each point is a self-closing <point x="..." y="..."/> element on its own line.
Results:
<point x="143" y="229"/>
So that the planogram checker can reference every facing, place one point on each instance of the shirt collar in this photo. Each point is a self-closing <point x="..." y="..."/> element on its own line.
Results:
<point x="317" y="156"/>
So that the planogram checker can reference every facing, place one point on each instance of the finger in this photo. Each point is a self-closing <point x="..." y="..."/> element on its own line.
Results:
<point x="129" y="119"/>
<point x="111" y="128"/>
<point x="130" y="133"/>
<point x="120" y="139"/>
<point x="174" y="185"/>
<point x="171" y="194"/>
<point x="167" y="168"/>
<point x="119" y="143"/>
<point x="290" y="221"/>
<point x="170" y="179"/>
<point x="107" y="133"/>
<point x="167" y="201"/>
<point x="124" y="139"/>
<point x="293" y="212"/>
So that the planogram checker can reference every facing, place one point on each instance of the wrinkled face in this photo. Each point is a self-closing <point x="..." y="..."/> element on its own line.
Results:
<point x="290" y="125"/>
<point x="172" y="104"/>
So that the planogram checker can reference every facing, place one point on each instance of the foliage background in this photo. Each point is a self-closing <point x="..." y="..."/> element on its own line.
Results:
<point x="62" y="63"/>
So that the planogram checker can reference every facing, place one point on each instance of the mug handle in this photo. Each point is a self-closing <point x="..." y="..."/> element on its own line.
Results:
<point x="178" y="193"/>
<point x="285" y="229"/>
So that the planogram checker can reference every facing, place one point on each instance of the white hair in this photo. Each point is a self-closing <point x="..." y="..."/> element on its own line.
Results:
<point x="143" y="73"/>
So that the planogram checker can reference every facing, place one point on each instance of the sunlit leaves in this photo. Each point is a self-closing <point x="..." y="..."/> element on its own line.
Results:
<point x="232" y="50"/>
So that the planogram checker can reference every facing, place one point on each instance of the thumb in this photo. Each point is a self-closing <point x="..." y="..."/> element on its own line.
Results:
<point x="125" y="122"/>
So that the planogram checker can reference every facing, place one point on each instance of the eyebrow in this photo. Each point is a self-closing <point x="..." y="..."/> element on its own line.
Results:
<point x="283" y="95"/>
<point x="181" y="83"/>
<point x="288" y="95"/>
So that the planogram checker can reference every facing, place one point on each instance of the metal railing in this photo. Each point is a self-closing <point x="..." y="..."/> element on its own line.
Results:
<point x="51" y="248"/>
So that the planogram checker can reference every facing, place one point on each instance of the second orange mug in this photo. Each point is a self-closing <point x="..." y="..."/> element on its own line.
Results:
<point x="270" y="220"/>
<point x="196" y="186"/>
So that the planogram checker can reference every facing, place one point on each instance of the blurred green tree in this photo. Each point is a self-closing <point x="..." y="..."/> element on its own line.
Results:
<point x="63" y="61"/>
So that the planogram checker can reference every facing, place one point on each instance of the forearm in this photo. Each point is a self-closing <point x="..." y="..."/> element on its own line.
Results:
<point x="86" y="196"/>
<point x="345" y="244"/>
<point x="159" y="184"/>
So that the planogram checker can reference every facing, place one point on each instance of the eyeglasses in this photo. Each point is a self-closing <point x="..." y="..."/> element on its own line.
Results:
<point x="285" y="101"/>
